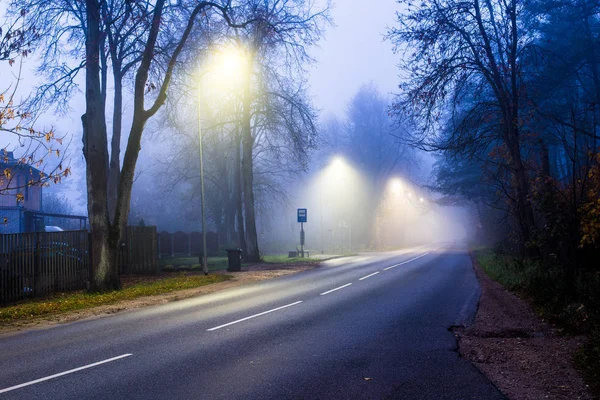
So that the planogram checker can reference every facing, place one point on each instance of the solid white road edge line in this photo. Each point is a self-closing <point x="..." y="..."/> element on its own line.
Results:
<point x="368" y="276"/>
<point x="406" y="262"/>
<point x="254" y="316"/>
<point x="337" y="288"/>
<point x="8" y="389"/>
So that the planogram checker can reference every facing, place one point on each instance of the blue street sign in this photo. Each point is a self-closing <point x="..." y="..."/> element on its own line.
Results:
<point x="302" y="215"/>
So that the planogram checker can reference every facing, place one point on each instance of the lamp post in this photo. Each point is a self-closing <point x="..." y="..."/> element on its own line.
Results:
<point x="203" y="217"/>
<point x="321" y="208"/>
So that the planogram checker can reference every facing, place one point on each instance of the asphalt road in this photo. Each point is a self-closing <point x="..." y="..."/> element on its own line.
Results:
<point x="367" y="327"/>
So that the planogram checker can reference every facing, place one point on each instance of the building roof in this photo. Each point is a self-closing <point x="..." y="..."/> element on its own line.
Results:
<point x="7" y="160"/>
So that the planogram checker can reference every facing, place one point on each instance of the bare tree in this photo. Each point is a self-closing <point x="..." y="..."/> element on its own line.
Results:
<point x="158" y="42"/>
<point x="373" y="140"/>
<point x="286" y="29"/>
<point x="106" y="234"/>
<point x="455" y="48"/>
<point x="61" y="26"/>
<point x="57" y="204"/>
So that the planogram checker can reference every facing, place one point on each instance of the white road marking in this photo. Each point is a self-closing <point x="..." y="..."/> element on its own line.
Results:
<point x="368" y="276"/>
<point x="337" y="288"/>
<point x="406" y="262"/>
<point x="253" y="316"/>
<point x="8" y="389"/>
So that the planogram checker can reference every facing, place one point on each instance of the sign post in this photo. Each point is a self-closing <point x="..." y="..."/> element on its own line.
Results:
<point x="302" y="218"/>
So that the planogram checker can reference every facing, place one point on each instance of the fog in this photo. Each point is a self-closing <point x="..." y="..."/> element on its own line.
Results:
<point x="347" y="213"/>
<point x="364" y="189"/>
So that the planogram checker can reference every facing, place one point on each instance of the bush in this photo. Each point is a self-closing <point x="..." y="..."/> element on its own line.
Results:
<point x="587" y="360"/>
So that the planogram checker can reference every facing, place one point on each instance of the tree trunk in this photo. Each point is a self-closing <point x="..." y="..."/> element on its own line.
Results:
<point x="229" y="210"/>
<point x="218" y="215"/>
<point x="115" y="143"/>
<point x="237" y="190"/>
<point x="127" y="175"/>
<point x="523" y="205"/>
<point x="96" y="154"/>
<point x="252" y="252"/>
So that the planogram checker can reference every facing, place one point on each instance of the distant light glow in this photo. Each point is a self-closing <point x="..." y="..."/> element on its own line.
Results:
<point x="358" y="213"/>
<point x="338" y="162"/>
<point x="396" y="186"/>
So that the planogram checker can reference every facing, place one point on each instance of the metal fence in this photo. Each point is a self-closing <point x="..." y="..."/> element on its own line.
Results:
<point x="41" y="263"/>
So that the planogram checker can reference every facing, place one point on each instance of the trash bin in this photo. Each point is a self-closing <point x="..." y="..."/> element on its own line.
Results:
<point x="234" y="260"/>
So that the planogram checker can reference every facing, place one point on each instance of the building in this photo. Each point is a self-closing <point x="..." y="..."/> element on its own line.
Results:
<point x="20" y="194"/>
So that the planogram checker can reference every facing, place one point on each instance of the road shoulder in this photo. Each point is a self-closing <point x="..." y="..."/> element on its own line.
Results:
<point x="250" y="274"/>
<point x="521" y="354"/>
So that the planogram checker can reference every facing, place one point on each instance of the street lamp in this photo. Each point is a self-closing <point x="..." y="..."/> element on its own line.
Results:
<point x="204" y="255"/>
<point x="227" y="68"/>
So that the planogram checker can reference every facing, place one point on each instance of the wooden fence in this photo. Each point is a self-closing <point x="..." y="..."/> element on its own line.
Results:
<point x="187" y="244"/>
<point x="139" y="253"/>
<point x="41" y="263"/>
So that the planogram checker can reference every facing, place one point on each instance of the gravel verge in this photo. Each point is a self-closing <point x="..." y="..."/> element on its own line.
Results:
<point x="524" y="356"/>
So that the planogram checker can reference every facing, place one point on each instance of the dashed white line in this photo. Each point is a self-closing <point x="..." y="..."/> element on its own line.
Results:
<point x="254" y="316"/>
<point x="368" y="276"/>
<point x="8" y="389"/>
<point x="406" y="262"/>
<point x="337" y="288"/>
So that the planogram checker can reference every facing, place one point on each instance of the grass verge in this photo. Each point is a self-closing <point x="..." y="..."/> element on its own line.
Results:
<point x="169" y="264"/>
<point x="283" y="259"/>
<point x="65" y="302"/>
<point x="545" y="287"/>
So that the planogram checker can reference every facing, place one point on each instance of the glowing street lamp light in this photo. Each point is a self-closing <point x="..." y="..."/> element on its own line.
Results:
<point x="229" y="66"/>
<point x="396" y="186"/>
<point x="337" y="162"/>
<point x="338" y="171"/>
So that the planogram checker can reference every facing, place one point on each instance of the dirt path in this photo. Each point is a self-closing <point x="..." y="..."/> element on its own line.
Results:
<point x="250" y="274"/>
<point x="519" y="352"/>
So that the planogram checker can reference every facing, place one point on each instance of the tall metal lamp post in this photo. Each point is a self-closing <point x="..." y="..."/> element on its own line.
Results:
<point x="322" y="184"/>
<point x="203" y="216"/>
